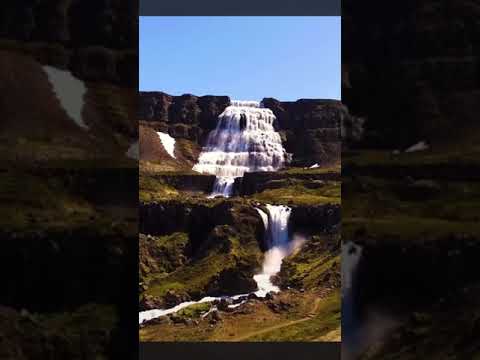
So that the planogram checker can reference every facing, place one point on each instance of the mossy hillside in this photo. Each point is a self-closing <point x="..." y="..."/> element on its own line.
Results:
<point x="299" y="194"/>
<point x="161" y="255"/>
<point x="223" y="253"/>
<point x="410" y="209"/>
<point x="153" y="188"/>
<point x="244" y="322"/>
<point x="326" y="319"/>
<point x="315" y="266"/>
<point x="36" y="202"/>
<point x="195" y="310"/>
<point x="58" y="335"/>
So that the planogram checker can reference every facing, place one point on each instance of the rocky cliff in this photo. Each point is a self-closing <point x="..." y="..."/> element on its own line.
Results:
<point x="310" y="129"/>
<point x="102" y="48"/>
<point x="411" y="69"/>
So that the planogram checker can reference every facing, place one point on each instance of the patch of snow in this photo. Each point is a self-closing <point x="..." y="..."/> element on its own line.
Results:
<point x="314" y="166"/>
<point x="70" y="92"/>
<point x="168" y="143"/>
<point x="422" y="145"/>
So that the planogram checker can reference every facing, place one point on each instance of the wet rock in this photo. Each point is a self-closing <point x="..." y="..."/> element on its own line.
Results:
<point x="270" y="296"/>
<point x="223" y="304"/>
<point x="172" y="298"/>
<point x="176" y="319"/>
<point x="150" y="302"/>
<point x="214" y="317"/>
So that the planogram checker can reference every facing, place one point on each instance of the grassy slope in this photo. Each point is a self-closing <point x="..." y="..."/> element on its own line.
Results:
<point x="301" y="195"/>
<point x="310" y="317"/>
<point x="33" y="203"/>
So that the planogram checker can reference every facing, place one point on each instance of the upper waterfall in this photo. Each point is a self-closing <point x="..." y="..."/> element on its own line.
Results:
<point x="244" y="140"/>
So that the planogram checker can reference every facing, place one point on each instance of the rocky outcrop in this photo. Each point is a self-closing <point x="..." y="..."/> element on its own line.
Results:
<point x="186" y="116"/>
<point x="310" y="129"/>
<point x="190" y="182"/>
<point x="413" y="75"/>
<point x="323" y="218"/>
<point x="255" y="182"/>
<point x="56" y="33"/>
<point x="200" y="220"/>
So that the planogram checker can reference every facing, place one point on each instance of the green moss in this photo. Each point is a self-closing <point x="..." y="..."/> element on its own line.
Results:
<point x="336" y="168"/>
<point x="194" y="311"/>
<point x="407" y="228"/>
<point x="298" y="194"/>
<point x="308" y="267"/>
<point x="88" y="317"/>
<point x="381" y="207"/>
<point x="155" y="189"/>
<point x="161" y="255"/>
<point x="195" y="275"/>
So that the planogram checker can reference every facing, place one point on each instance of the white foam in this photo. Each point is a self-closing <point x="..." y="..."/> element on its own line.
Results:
<point x="168" y="143"/>
<point x="264" y="217"/>
<point x="70" y="92"/>
<point x="277" y="238"/>
<point x="244" y="140"/>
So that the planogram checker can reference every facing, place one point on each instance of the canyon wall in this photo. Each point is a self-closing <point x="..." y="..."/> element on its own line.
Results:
<point x="310" y="128"/>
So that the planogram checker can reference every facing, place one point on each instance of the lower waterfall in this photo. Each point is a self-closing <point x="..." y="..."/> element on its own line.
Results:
<point x="244" y="140"/>
<point x="279" y="246"/>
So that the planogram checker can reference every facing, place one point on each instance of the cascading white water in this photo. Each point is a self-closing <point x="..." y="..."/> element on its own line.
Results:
<point x="276" y="231"/>
<point x="244" y="140"/>
<point x="277" y="239"/>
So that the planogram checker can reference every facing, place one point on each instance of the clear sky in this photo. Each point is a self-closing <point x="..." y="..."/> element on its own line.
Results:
<point x="246" y="58"/>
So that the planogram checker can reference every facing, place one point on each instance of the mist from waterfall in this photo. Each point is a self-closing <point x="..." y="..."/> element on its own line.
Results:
<point x="244" y="140"/>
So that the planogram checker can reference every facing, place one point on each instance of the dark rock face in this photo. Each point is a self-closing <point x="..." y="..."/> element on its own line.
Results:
<point x="186" y="116"/>
<point x="206" y="224"/>
<point x="255" y="182"/>
<point x="101" y="48"/>
<point x="233" y="281"/>
<point x="187" y="182"/>
<point x="321" y="217"/>
<point x="414" y="74"/>
<point x="310" y="128"/>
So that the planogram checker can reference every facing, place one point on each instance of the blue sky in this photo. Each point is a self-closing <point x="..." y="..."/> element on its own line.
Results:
<point x="246" y="58"/>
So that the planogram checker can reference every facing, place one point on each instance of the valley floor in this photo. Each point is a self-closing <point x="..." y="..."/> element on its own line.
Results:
<point x="311" y="316"/>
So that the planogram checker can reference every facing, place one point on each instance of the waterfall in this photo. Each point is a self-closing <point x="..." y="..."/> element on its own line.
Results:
<point x="351" y="255"/>
<point x="277" y="239"/>
<point x="276" y="228"/>
<point x="244" y="140"/>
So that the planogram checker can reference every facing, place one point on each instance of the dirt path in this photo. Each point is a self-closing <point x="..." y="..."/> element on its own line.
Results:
<point x="334" y="335"/>
<point x="279" y="326"/>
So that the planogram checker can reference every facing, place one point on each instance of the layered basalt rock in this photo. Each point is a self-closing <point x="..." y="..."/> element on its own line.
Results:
<point x="255" y="182"/>
<point x="418" y="68"/>
<point x="321" y="218"/>
<point x="310" y="129"/>
<point x="56" y="33"/>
